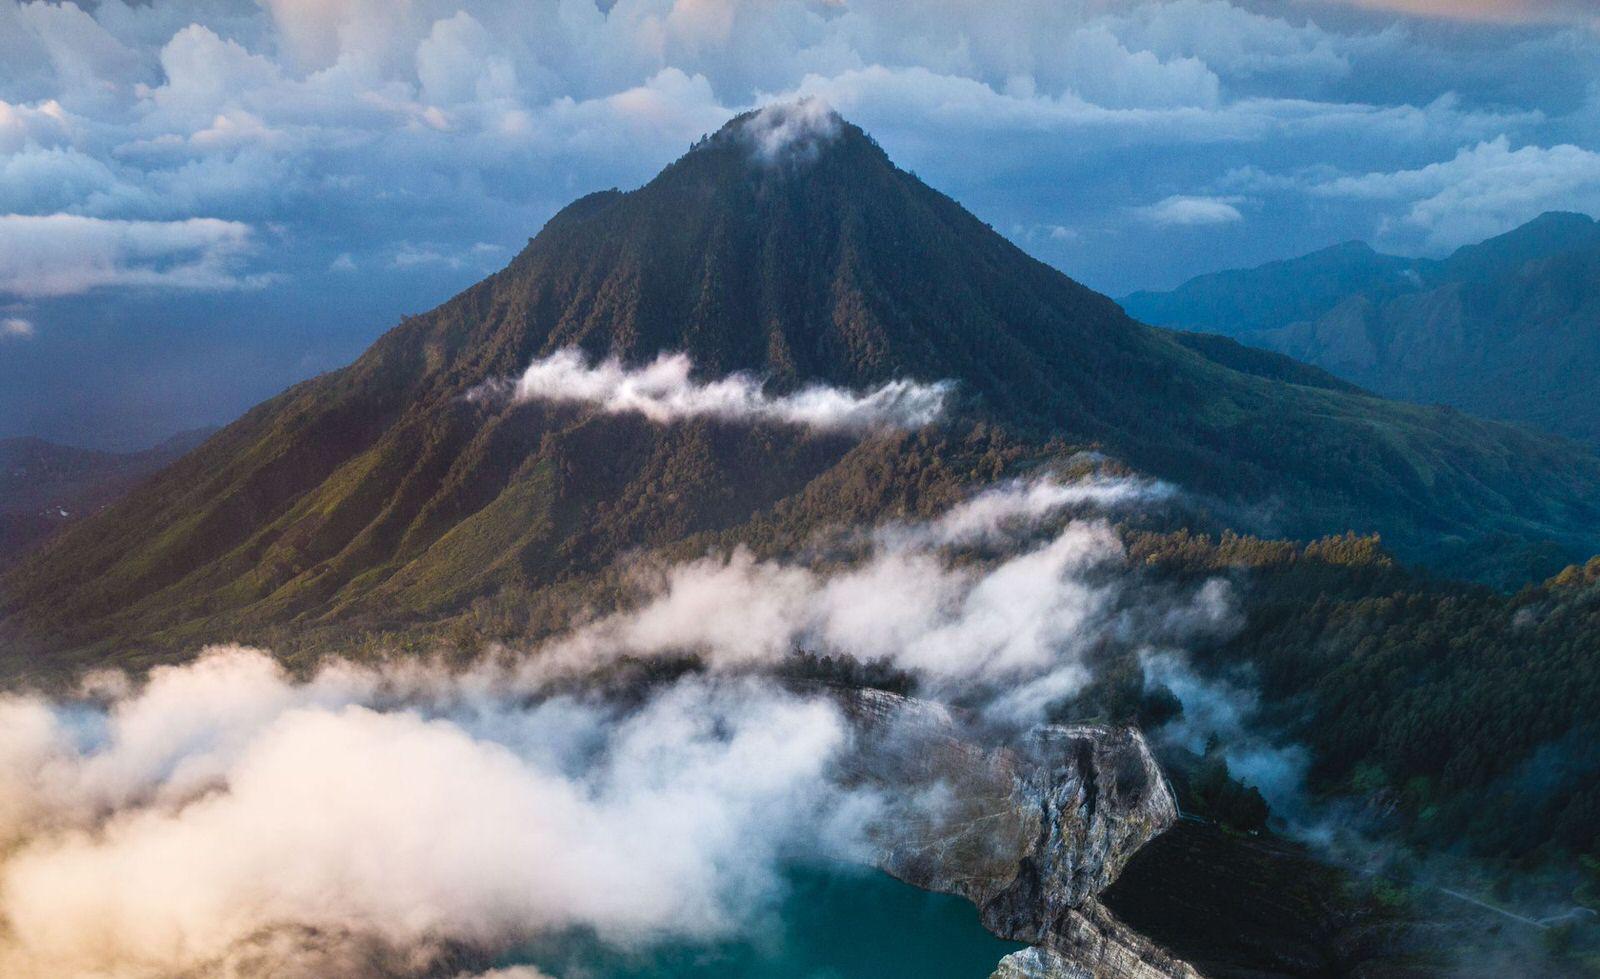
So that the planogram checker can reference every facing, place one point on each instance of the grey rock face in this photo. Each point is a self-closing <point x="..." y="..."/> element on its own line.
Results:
<point x="1029" y="833"/>
<point x="1089" y="943"/>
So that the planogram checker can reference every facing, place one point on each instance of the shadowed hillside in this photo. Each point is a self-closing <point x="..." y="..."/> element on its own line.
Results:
<point x="45" y="486"/>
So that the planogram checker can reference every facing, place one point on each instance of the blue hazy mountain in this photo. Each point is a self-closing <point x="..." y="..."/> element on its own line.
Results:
<point x="1508" y="328"/>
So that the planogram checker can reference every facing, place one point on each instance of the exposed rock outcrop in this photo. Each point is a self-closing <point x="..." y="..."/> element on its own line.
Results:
<point x="1090" y="943"/>
<point x="1029" y="832"/>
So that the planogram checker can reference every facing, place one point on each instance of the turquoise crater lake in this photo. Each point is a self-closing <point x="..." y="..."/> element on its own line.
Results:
<point x="843" y="923"/>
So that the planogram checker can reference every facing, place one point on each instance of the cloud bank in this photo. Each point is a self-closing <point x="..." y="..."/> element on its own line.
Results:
<point x="223" y="819"/>
<point x="226" y="819"/>
<point x="1482" y="191"/>
<point x="664" y="391"/>
<point x="63" y="254"/>
<point x="471" y="120"/>
<point x="371" y="147"/>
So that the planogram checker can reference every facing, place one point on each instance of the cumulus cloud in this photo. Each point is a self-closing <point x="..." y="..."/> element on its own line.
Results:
<point x="1235" y="42"/>
<point x="1188" y="212"/>
<point x="223" y="818"/>
<point x="665" y="391"/>
<point x="482" y="116"/>
<point x="23" y="125"/>
<point x="65" y="254"/>
<point x="16" y="328"/>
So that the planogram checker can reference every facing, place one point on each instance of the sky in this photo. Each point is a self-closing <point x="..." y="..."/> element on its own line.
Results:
<point x="202" y="201"/>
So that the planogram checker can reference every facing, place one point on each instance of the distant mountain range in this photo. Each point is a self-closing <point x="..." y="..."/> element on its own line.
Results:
<point x="45" y="486"/>
<point x="388" y="494"/>
<point x="1509" y="328"/>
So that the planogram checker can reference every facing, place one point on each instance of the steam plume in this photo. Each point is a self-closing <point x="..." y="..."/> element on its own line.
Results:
<point x="162" y="832"/>
<point x="223" y="819"/>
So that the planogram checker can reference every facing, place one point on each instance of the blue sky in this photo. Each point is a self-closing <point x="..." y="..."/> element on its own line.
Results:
<point x="202" y="201"/>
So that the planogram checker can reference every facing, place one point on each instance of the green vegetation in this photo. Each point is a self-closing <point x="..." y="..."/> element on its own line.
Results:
<point x="378" y="510"/>
<point x="380" y="500"/>
<point x="1448" y="717"/>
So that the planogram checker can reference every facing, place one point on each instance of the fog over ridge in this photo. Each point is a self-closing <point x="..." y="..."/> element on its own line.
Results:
<point x="378" y="819"/>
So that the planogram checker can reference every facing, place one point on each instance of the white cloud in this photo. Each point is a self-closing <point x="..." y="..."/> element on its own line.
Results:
<point x="1233" y="41"/>
<point x="456" y="121"/>
<point x="457" y="63"/>
<point x="25" y="125"/>
<point x="1184" y="211"/>
<point x="206" y="77"/>
<point x="1000" y="512"/>
<point x="225" y="813"/>
<point x="1482" y="191"/>
<point x="1009" y="637"/>
<point x="1018" y="630"/>
<point x="664" y="391"/>
<point x="65" y="254"/>
<point x="411" y="255"/>
<point x="1214" y="708"/>
<point x="16" y="328"/>
<point x="92" y="66"/>
<point x="43" y="180"/>
<point x="224" y="818"/>
<point x="791" y="131"/>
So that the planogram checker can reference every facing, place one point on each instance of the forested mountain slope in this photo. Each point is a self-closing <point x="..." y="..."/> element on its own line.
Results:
<point x="383" y="494"/>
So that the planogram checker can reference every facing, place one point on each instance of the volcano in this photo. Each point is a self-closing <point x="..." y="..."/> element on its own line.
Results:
<point x="789" y="247"/>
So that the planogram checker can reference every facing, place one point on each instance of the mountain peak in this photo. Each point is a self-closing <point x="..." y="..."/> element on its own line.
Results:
<point x="1561" y="219"/>
<point x="1549" y="234"/>
<point x="786" y="246"/>
<point x="783" y="133"/>
<point x="776" y="142"/>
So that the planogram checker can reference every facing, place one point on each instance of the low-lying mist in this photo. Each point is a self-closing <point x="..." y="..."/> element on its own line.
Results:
<point x="221" y="808"/>
<point x="226" y="818"/>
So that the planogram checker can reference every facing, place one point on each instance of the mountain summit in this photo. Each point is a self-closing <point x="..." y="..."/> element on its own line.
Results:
<point x="787" y="246"/>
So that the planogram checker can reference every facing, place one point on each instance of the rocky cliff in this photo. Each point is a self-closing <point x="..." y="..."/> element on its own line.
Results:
<point x="1029" y="832"/>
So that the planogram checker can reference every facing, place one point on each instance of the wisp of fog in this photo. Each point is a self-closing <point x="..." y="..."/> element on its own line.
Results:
<point x="665" y="391"/>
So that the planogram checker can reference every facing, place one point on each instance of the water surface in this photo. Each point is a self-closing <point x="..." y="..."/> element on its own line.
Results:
<point x="844" y="923"/>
